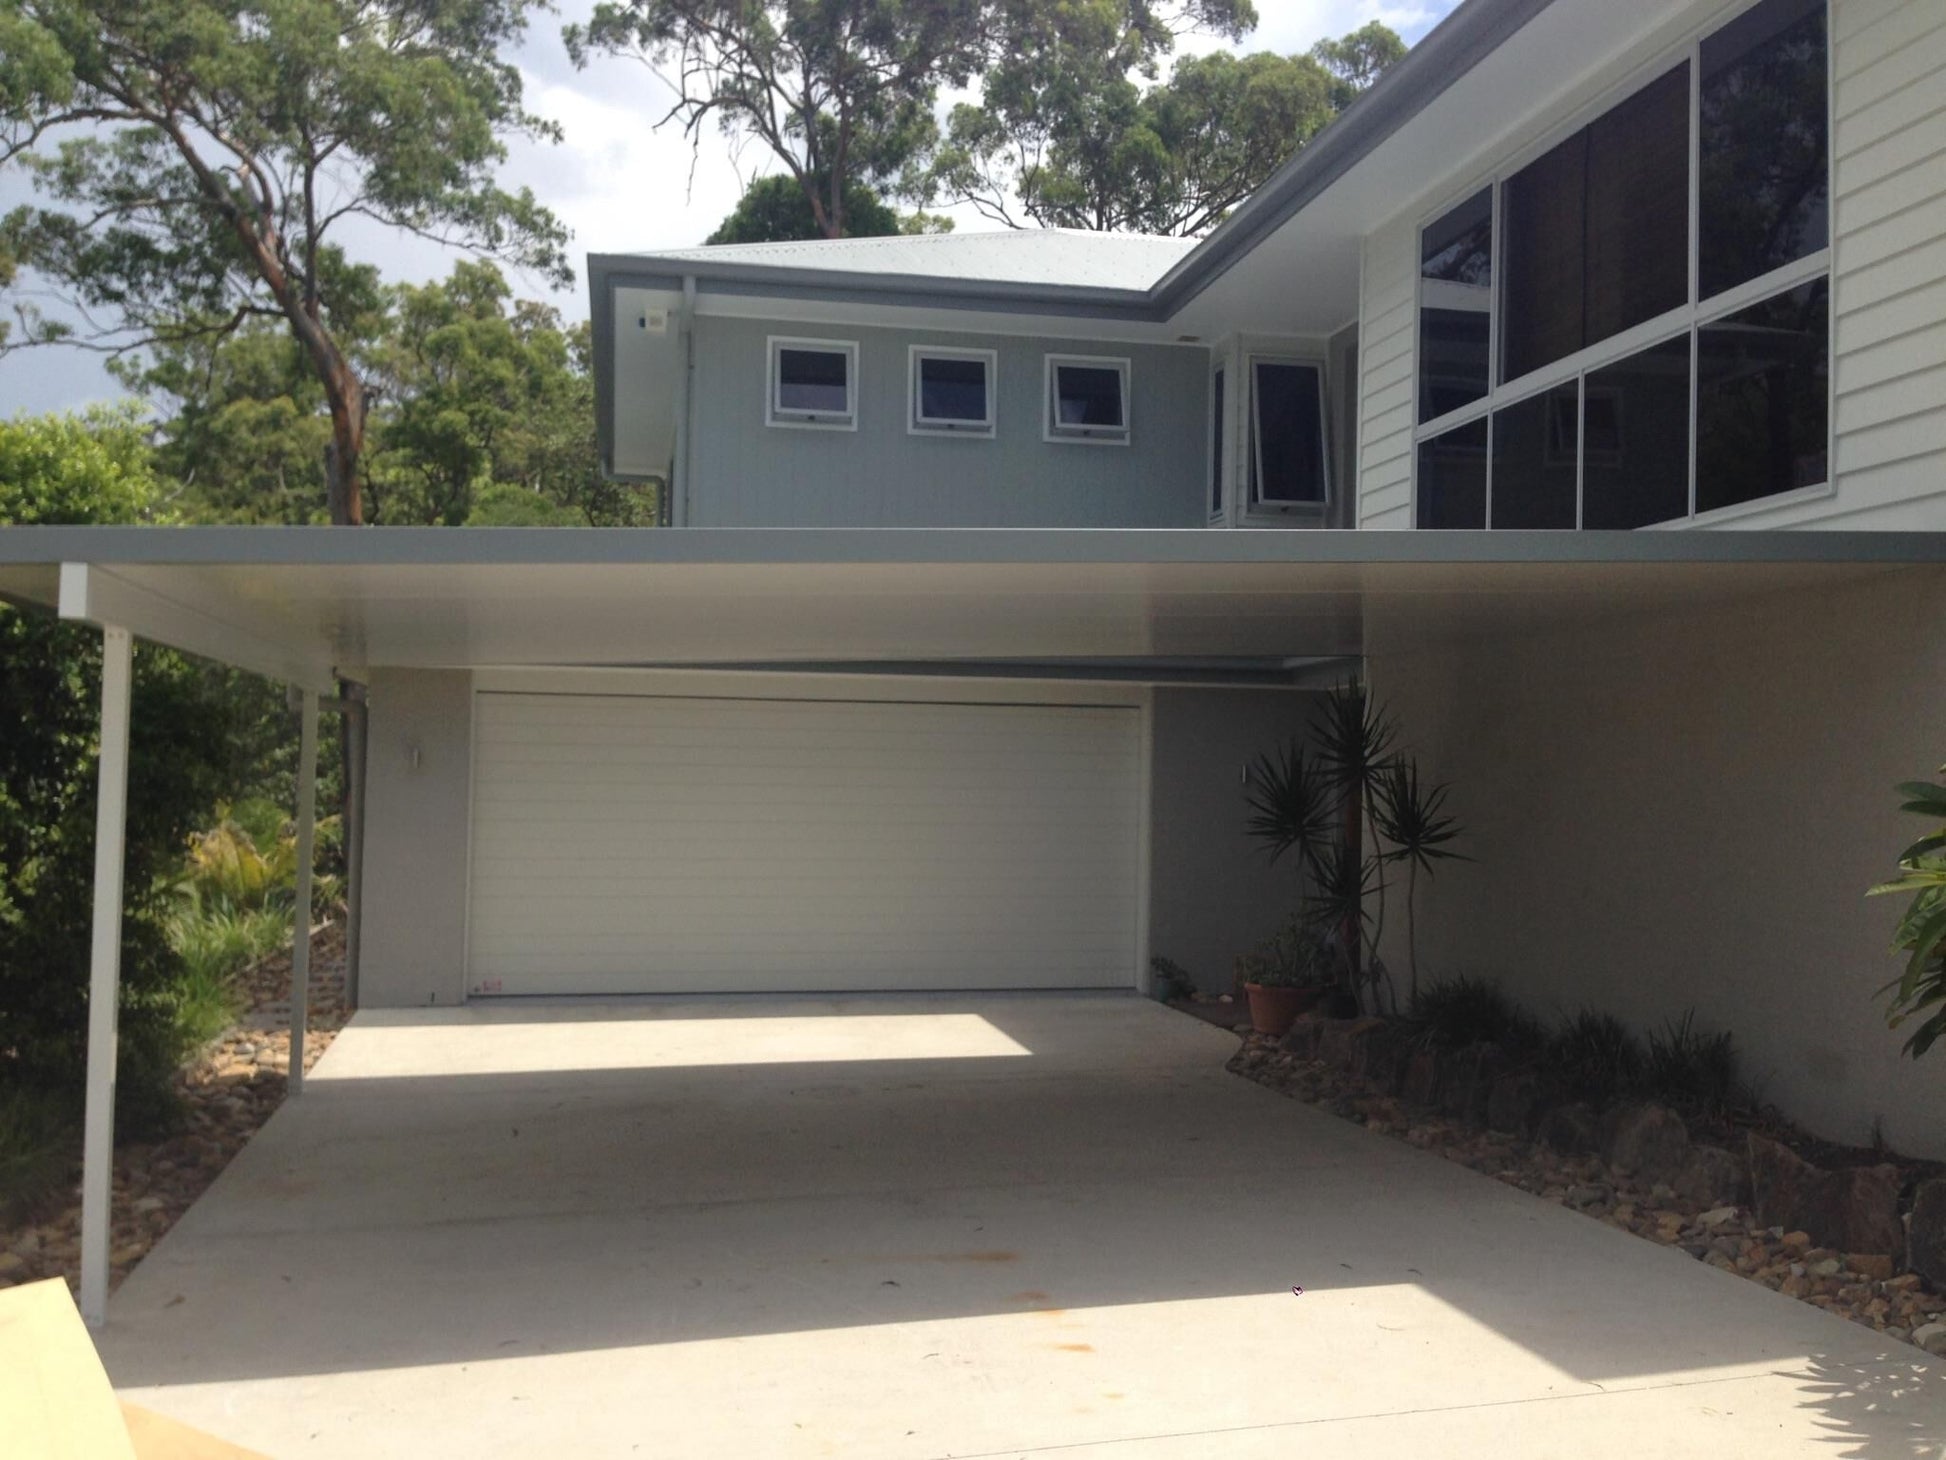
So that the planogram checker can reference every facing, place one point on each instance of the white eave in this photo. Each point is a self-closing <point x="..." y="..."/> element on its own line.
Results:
<point x="299" y="603"/>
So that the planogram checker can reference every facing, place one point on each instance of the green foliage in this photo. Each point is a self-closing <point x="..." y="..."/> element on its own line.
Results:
<point x="777" y="209"/>
<point x="1693" y="1071"/>
<point x="75" y="469"/>
<point x="1596" y="1058"/>
<point x="201" y="158"/>
<point x="1463" y="1011"/>
<point x="1072" y="123"/>
<point x="1172" y="980"/>
<point x="1920" y="991"/>
<point x="38" y="1134"/>
<point x="1296" y="956"/>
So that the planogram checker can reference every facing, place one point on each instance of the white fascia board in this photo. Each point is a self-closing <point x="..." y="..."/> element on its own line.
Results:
<point x="94" y="595"/>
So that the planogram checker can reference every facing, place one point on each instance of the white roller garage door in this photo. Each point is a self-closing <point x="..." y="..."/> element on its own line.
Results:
<point x="628" y="844"/>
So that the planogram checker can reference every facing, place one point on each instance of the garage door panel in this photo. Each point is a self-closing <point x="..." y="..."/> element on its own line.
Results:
<point x="625" y="844"/>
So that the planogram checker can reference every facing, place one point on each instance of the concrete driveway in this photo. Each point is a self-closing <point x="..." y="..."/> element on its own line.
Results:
<point x="994" y="1226"/>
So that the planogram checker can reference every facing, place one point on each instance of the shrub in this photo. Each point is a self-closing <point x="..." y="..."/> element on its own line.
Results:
<point x="1297" y="956"/>
<point x="1690" y="1070"/>
<point x="1920" y="991"/>
<point x="1457" y="1012"/>
<point x="1172" y="980"/>
<point x="1596" y="1058"/>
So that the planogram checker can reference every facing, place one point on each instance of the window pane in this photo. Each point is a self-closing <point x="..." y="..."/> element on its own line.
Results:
<point x="1638" y="214"/>
<point x="1088" y="395"/>
<point x="1216" y="446"/>
<point x="1453" y="477"/>
<point x="1456" y="306"/>
<point x="952" y="389"/>
<point x="812" y="380"/>
<point x="1597" y="237"/>
<point x="1288" y="462"/>
<point x="1762" y="403"/>
<point x="1635" y="459"/>
<point x="1542" y="208"/>
<point x="1765" y="178"/>
<point x="1534" y="446"/>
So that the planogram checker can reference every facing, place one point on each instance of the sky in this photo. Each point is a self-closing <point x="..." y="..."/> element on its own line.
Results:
<point x="620" y="184"/>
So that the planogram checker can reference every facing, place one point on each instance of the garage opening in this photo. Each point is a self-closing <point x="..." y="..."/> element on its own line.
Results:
<point x="662" y="844"/>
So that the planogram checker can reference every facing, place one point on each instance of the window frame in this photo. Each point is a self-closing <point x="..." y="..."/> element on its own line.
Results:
<point x="919" y="425"/>
<point x="790" y="418"/>
<point x="1251" y="460"/>
<point x="1218" y="456"/>
<point x="1688" y="318"/>
<point x="1053" y="432"/>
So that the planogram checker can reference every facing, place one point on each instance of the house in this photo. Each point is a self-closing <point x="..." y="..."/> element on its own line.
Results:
<point x="993" y="558"/>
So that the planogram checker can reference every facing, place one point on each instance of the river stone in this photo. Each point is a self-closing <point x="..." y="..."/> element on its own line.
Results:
<point x="1925" y="1251"/>
<point x="1854" y="1210"/>
<point x="1712" y="1177"/>
<point x="1648" y="1141"/>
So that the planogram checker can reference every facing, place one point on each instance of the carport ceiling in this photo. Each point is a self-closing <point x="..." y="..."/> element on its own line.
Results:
<point x="310" y="599"/>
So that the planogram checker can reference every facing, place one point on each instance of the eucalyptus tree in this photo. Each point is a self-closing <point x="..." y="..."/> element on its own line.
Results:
<point x="199" y="164"/>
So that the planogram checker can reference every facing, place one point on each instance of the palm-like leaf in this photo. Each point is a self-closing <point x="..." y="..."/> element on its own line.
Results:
<point x="1292" y="804"/>
<point x="1355" y="738"/>
<point x="1920" y="990"/>
<point x="1410" y="814"/>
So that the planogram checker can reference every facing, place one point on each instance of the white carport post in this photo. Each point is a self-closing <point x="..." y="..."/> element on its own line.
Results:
<point x="105" y="973"/>
<point x="307" y="785"/>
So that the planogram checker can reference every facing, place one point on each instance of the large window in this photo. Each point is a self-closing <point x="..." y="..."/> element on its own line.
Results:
<point x="1087" y="399"/>
<point x="1610" y="338"/>
<point x="952" y="391"/>
<point x="813" y="383"/>
<point x="1287" y="469"/>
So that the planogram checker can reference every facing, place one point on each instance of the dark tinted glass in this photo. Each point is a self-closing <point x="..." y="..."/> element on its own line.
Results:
<point x="1597" y="237"/>
<point x="1635" y="451"/>
<point x="952" y="390"/>
<point x="1456" y="301"/>
<point x="811" y="380"/>
<point x="1534" y="460"/>
<point x="1088" y="395"/>
<point x="1764" y="148"/>
<point x="1288" y="463"/>
<point x="1543" y="211"/>
<point x="1216" y="446"/>
<point x="1638" y="214"/>
<point x="1762" y="401"/>
<point x="1453" y="477"/>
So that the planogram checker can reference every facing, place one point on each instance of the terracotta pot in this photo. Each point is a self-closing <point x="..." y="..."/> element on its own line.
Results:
<point x="1274" y="1008"/>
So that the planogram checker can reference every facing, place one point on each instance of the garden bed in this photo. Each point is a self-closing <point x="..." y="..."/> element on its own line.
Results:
<point x="1845" y="1234"/>
<point x="228" y="1091"/>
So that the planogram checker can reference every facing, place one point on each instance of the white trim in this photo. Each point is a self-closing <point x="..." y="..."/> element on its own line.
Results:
<point x="917" y="425"/>
<point x="307" y="799"/>
<point x="1145" y="843"/>
<point x="1087" y="435"/>
<point x="1216" y="482"/>
<point x="1253" y="506"/>
<point x="472" y="794"/>
<point x="783" y="417"/>
<point x="105" y="972"/>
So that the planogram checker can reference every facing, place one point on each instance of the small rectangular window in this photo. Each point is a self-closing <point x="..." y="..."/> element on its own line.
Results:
<point x="952" y="391"/>
<point x="813" y="383"/>
<point x="1087" y="399"/>
<point x="1635" y="460"/>
<point x="1536" y="450"/>
<point x="1286" y="435"/>
<point x="1216" y="446"/>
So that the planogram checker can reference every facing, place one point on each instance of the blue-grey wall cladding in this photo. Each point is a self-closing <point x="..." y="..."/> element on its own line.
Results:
<point x="744" y="473"/>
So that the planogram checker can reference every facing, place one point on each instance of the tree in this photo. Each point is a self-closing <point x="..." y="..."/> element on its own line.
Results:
<point x="1070" y="137"/>
<point x="776" y="209"/>
<point x="840" y="93"/>
<point x="206" y="153"/>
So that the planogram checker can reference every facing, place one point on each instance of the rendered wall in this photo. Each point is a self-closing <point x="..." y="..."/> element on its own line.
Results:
<point x="1213" y="893"/>
<point x="416" y="805"/>
<point x="1671" y="812"/>
<point x="744" y="473"/>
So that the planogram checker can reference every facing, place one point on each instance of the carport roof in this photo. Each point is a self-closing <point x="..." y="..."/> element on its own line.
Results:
<point x="300" y="603"/>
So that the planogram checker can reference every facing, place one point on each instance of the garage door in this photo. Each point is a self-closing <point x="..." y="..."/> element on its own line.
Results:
<point x="629" y="844"/>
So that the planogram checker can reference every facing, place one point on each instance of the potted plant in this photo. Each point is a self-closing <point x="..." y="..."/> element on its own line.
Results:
<point x="1286" y="975"/>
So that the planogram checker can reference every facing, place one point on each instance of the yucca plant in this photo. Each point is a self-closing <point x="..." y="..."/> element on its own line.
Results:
<point x="1920" y="991"/>
<point x="1410" y="815"/>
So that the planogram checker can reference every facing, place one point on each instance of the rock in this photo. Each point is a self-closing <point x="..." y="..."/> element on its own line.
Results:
<point x="1718" y="1260"/>
<point x="1467" y="1081"/>
<point x="1796" y="1241"/>
<point x="1649" y="1141"/>
<point x="1387" y="1052"/>
<point x="1569" y="1129"/>
<point x="1925" y="1251"/>
<point x="1931" y="1337"/>
<point x="1421" y="1083"/>
<point x="1341" y="1042"/>
<point x="1514" y="1104"/>
<point x="12" y="1264"/>
<point x="1592" y="1195"/>
<point x="1302" y="1037"/>
<point x="1713" y="1177"/>
<point x="1855" y="1209"/>
<point x="1717" y="1217"/>
<point x="1874" y="1265"/>
<point x="1904" y="1282"/>
<point x="1830" y="1267"/>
